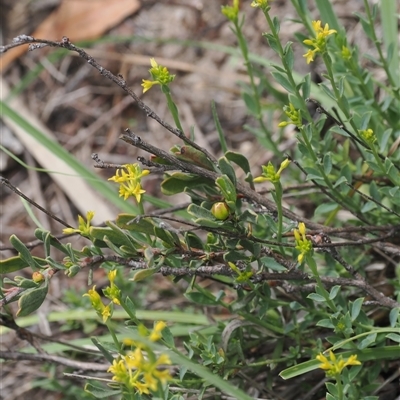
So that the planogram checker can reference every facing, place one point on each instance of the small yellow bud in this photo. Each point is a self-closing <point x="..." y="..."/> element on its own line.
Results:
<point x="220" y="210"/>
<point x="37" y="277"/>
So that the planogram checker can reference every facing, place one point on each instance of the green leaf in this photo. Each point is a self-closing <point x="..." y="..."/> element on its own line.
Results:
<point x="111" y="246"/>
<point x="272" y="264"/>
<point x="356" y="308"/>
<point x="16" y="263"/>
<point x="200" y="212"/>
<point x="299" y="369"/>
<point x="306" y="86"/>
<point x="325" y="208"/>
<point x="327" y="163"/>
<point x="227" y="169"/>
<point x="251" y="103"/>
<point x="365" y="118"/>
<point x="393" y="316"/>
<point x="193" y="241"/>
<point x="207" y="223"/>
<point x="332" y="388"/>
<point x="272" y="42"/>
<point x="23" y="251"/>
<point x="116" y="238"/>
<point x="393" y="336"/>
<point x="106" y="353"/>
<point x="99" y="391"/>
<point x="178" y="182"/>
<point x="228" y="190"/>
<point x="132" y="223"/>
<point x="341" y="180"/>
<point x="222" y="140"/>
<point x="168" y="337"/>
<point x="234" y="256"/>
<point x="368" y="206"/>
<point x="131" y="306"/>
<point x="283" y="81"/>
<point x="31" y="300"/>
<point x="240" y="160"/>
<point x="334" y="292"/>
<point x="166" y="236"/>
<point x="326" y="323"/>
<point x="316" y="297"/>
<point x="370" y="339"/>
<point x="328" y="14"/>
<point x="201" y="298"/>
<point x="368" y="29"/>
<point x="44" y="235"/>
<point x="143" y="274"/>
<point x="288" y="55"/>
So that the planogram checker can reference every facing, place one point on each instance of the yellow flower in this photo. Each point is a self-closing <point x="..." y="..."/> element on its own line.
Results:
<point x="144" y="373"/>
<point x="318" y="43"/>
<point x="101" y="310"/>
<point x="334" y="366"/>
<point x="113" y="292"/>
<point x="368" y="135"/>
<point x="119" y="370"/>
<point x="231" y="12"/>
<point x="270" y="174"/>
<point x="143" y="388"/>
<point x="346" y="53"/>
<point x="135" y="359"/>
<point x="263" y="4"/>
<point x="310" y="55"/>
<point x="94" y="297"/>
<point x="129" y="179"/>
<point x="160" y="75"/>
<point x="147" y="85"/>
<point x="155" y="335"/>
<point x="131" y="189"/>
<point x="112" y="275"/>
<point x="303" y="245"/>
<point x="294" y="116"/>
<point x="152" y="373"/>
<point x="83" y="226"/>
<point x="128" y="342"/>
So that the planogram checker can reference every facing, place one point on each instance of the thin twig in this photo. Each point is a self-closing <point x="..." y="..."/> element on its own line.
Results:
<point x="7" y="183"/>
<point x="66" y="44"/>
<point x="78" y="365"/>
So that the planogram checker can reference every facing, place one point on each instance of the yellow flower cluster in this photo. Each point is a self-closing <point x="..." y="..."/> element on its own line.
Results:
<point x="129" y="180"/>
<point x="318" y="43"/>
<point x="270" y="174"/>
<point x="294" y="116"/>
<point x="334" y="366"/>
<point x="368" y="135"/>
<point x="112" y="292"/>
<point x="231" y="12"/>
<point x="140" y="373"/>
<point x="303" y="245"/>
<point x="263" y="4"/>
<point x="101" y="310"/>
<point x="161" y="76"/>
<point x="83" y="226"/>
